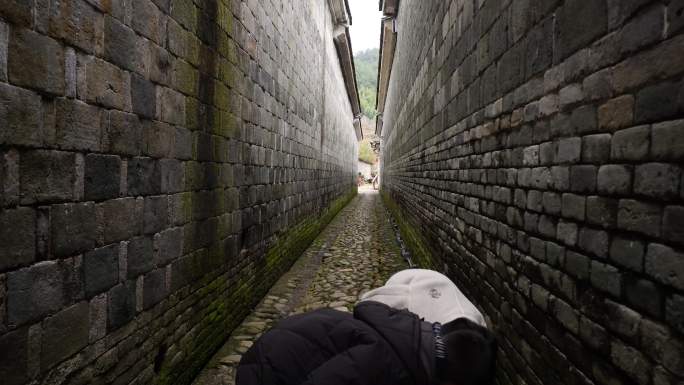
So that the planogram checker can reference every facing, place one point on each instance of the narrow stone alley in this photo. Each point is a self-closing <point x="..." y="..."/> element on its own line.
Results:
<point x="178" y="175"/>
<point x="356" y="252"/>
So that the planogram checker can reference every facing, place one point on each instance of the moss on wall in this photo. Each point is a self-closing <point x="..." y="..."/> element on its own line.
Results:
<point x="416" y="243"/>
<point x="234" y="300"/>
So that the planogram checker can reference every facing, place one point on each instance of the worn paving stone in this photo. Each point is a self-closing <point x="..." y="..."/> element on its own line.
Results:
<point x="354" y="254"/>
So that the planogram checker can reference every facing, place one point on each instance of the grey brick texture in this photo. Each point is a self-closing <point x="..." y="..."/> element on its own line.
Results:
<point x="162" y="163"/>
<point x="575" y="108"/>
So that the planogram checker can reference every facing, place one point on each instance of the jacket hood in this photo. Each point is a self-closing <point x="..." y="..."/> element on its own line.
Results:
<point x="408" y="336"/>
<point x="427" y="293"/>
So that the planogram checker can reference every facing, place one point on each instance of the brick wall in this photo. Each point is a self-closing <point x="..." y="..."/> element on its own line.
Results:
<point x="537" y="147"/>
<point x="161" y="163"/>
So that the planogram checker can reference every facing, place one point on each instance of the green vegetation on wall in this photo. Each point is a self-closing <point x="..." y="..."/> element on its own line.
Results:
<point x="366" y="153"/>
<point x="414" y="240"/>
<point x="227" y="310"/>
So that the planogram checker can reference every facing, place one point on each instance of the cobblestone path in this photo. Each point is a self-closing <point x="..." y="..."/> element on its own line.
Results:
<point x="355" y="253"/>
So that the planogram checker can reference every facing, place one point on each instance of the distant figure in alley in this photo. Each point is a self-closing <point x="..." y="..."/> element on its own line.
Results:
<point x="417" y="329"/>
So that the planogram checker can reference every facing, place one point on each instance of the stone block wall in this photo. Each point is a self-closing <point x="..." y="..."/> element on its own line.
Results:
<point x="161" y="163"/>
<point x="536" y="148"/>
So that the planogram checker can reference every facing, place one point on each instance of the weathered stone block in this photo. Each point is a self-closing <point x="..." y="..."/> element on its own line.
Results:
<point x="566" y="232"/>
<point x="123" y="134"/>
<point x="183" y="144"/>
<point x="172" y="177"/>
<point x="662" y="62"/>
<point x="665" y="265"/>
<point x="73" y="228"/>
<point x="657" y="180"/>
<point x="35" y="61"/>
<point x="598" y="86"/>
<point x="185" y="13"/>
<point x="21" y="116"/>
<point x="631" y="361"/>
<point x="630" y="144"/>
<point x="560" y="178"/>
<point x="101" y="269"/>
<point x="645" y="29"/>
<point x="596" y="148"/>
<point x="602" y="211"/>
<point x="102" y="177"/>
<point x="78" y="23"/>
<point x="594" y="242"/>
<point x="583" y="179"/>
<point x="169" y="246"/>
<point x="620" y="10"/>
<point x="98" y="317"/>
<point x="640" y="217"/>
<point x="140" y="256"/>
<point x="578" y="24"/>
<point x="158" y="139"/>
<point x="594" y="335"/>
<point x="577" y="265"/>
<point x="64" y="334"/>
<point x="121" y="219"/>
<point x="170" y="106"/>
<point x="185" y="78"/>
<point x="77" y="125"/>
<point x="566" y="315"/>
<point x="540" y="178"/>
<point x="154" y="287"/>
<point x="675" y="16"/>
<point x="674" y="312"/>
<point x="119" y="43"/>
<point x="121" y="305"/>
<point x="9" y="178"/>
<point x="14" y="346"/>
<point x="644" y="296"/>
<point x="659" y="102"/>
<point x="574" y="206"/>
<point x="583" y="120"/>
<point x="34" y="292"/>
<point x="102" y="83"/>
<point x="19" y="12"/>
<point x="627" y="252"/>
<point x="569" y="150"/>
<point x="164" y="5"/>
<point x="17" y="237"/>
<point x="552" y="203"/>
<point x="606" y="278"/>
<point x="159" y="64"/>
<point x="539" y="48"/>
<point x="144" y="177"/>
<point x="673" y="224"/>
<point x="143" y="96"/>
<point x="531" y="156"/>
<point x="148" y="20"/>
<point x="155" y="214"/>
<point x="616" y="113"/>
<point x="666" y="141"/>
<point x="47" y="176"/>
<point x="622" y="320"/>
<point x="615" y="180"/>
<point x="570" y="95"/>
<point x="534" y="200"/>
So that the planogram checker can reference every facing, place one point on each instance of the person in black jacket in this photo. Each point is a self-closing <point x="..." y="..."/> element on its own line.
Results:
<point x="376" y="345"/>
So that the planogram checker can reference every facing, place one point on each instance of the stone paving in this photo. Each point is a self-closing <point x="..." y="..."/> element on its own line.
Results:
<point x="355" y="253"/>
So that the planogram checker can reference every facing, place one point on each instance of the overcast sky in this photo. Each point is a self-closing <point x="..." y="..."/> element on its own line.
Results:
<point x="365" y="29"/>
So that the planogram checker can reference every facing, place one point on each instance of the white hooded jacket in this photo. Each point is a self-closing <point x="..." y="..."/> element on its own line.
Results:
<point x="429" y="294"/>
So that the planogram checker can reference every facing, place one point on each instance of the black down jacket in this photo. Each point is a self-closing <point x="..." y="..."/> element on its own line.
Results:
<point x="377" y="345"/>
